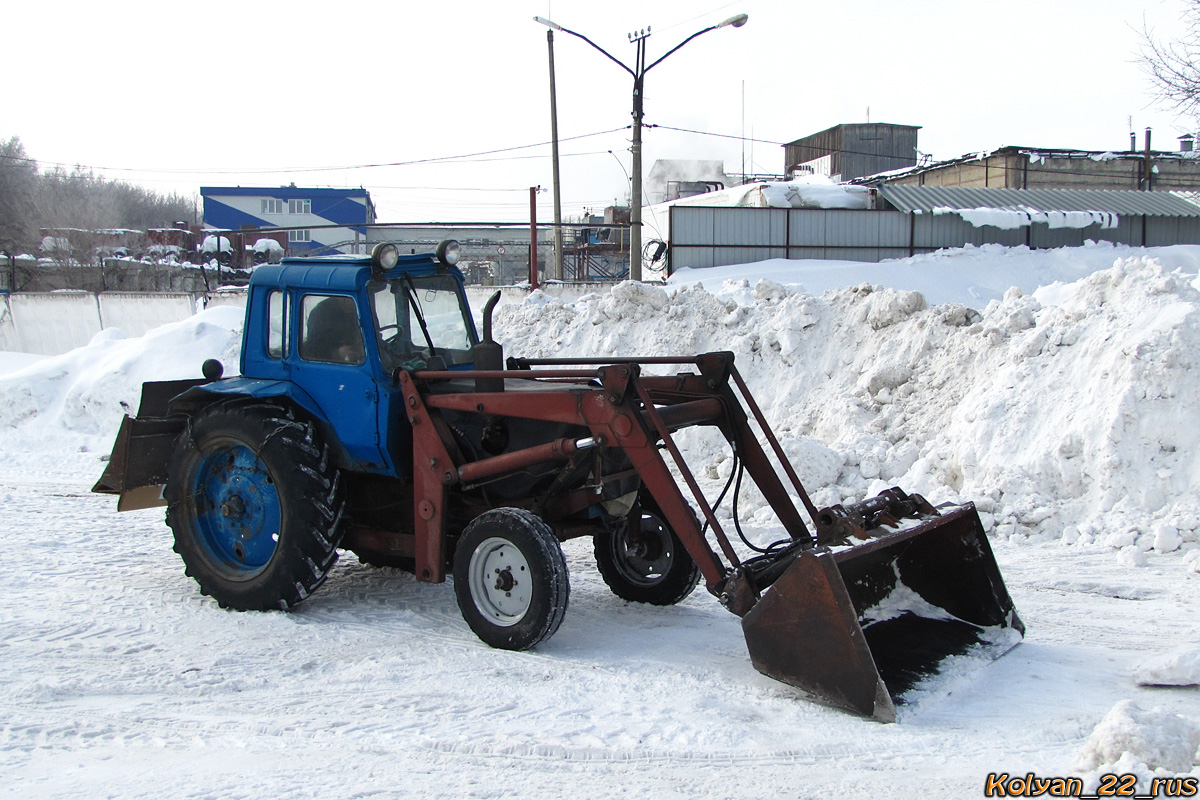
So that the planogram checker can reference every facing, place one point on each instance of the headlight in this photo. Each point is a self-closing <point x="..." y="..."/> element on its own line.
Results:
<point x="447" y="252"/>
<point x="384" y="256"/>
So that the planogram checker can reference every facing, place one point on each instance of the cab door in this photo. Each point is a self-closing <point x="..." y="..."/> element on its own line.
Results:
<point x="333" y="366"/>
<point x="393" y="336"/>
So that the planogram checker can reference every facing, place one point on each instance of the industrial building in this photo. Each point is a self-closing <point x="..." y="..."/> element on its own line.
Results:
<point x="845" y="152"/>
<point x="1050" y="168"/>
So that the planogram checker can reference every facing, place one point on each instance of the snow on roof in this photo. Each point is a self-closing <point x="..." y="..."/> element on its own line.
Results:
<point x="1012" y="218"/>
<point x="210" y="244"/>
<point x="267" y="245"/>
<point x="807" y="191"/>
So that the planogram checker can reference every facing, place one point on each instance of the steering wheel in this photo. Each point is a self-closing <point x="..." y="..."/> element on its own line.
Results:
<point x="392" y="344"/>
<point x="395" y="327"/>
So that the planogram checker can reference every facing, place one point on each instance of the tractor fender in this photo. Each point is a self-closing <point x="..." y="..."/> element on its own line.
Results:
<point x="239" y="389"/>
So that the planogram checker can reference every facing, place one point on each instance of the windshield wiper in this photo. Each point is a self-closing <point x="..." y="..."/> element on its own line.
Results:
<point x="416" y="306"/>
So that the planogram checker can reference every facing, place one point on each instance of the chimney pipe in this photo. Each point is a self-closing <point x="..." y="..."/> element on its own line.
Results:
<point x="1186" y="143"/>
<point x="1149" y="165"/>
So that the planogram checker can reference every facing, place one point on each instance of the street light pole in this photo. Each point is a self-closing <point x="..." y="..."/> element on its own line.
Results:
<point x="635" y="191"/>
<point x="638" y="72"/>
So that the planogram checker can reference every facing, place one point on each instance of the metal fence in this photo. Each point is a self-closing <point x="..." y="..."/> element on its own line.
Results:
<point x="713" y="237"/>
<point x="498" y="253"/>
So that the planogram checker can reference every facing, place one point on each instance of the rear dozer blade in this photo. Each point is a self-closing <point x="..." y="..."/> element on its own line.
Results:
<point x="857" y="626"/>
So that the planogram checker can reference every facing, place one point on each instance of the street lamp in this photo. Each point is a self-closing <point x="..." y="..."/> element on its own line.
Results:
<point x="620" y="164"/>
<point x="638" y="72"/>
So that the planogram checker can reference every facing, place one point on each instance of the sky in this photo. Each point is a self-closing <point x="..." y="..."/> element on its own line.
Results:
<point x="391" y="96"/>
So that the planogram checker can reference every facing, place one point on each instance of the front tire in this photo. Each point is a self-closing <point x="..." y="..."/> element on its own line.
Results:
<point x="510" y="579"/>
<point x="255" y="505"/>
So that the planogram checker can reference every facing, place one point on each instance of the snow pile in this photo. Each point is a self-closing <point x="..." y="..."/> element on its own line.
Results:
<point x="80" y="397"/>
<point x="1067" y="414"/>
<point x="11" y="362"/>
<point x="1066" y="418"/>
<point x="1148" y="744"/>
<point x="1179" y="667"/>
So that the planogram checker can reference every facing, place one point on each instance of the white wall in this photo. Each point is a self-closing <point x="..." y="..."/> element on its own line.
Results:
<point x="136" y="313"/>
<point x="51" y="323"/>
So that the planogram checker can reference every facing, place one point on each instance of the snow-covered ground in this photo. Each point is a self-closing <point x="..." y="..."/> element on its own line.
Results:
<point x="1066" y="409"/>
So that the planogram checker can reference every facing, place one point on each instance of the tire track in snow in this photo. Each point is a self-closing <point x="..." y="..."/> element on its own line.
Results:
<point x="73" y="727"/>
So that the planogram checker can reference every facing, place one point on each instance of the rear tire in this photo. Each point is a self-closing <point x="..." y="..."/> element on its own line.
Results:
<point x="255" y="504"/>
<point x="510" y="579"/>
<point x="650" y="565"/>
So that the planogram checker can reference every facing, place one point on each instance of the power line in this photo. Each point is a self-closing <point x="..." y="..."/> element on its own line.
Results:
<point x="480" y="157"/>
<point x="690" y="20"/>
<point x="722" y="135"/>
<point x="262" y="171"/>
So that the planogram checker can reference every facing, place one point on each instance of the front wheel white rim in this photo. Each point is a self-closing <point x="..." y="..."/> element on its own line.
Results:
<point x="500" y="581"/>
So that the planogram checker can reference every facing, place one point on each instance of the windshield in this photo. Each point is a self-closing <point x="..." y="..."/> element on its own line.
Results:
<point x="418" y="318"/>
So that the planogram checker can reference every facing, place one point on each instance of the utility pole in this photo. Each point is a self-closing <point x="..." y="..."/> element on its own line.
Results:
<point x="556" y="272"/>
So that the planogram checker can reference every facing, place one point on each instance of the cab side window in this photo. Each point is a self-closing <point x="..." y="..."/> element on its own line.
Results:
<point x="330" y="330"/>
<point x="276" y="324"/>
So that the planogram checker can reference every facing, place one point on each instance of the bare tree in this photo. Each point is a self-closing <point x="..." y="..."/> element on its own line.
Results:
<point x="1174" y="64"/>
<point x="141" y="208"/>
<point x="77" y="209"/>
<point x="18" y="191"/>
<point x="73" y="207"/>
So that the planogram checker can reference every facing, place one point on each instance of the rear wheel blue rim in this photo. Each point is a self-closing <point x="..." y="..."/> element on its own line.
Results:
<point x="238" y="513"/>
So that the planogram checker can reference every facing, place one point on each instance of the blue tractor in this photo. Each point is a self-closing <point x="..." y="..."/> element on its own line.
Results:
<point x="370" y="416"/>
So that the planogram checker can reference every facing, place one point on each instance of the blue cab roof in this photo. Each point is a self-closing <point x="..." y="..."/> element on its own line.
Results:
<point x="340" y="272"/>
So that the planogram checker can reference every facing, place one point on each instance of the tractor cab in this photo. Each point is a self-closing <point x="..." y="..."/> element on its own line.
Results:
<point x="334" y="332"/>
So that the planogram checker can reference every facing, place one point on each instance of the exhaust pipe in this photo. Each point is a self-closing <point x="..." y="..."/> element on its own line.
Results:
<point x="488" y="354"/>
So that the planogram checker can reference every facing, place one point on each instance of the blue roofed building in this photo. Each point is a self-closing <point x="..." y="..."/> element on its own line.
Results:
<point x="317" y="220"/>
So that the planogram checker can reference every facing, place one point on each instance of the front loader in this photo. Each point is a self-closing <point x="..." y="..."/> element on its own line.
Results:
<point x="369" y="416"/>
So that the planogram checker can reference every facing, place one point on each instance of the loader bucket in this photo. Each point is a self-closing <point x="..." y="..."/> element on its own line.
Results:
<point x="137" y="467"/>
<point x="857" y="626"/>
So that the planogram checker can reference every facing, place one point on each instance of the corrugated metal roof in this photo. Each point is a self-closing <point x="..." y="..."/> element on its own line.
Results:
<point x="1151" y="204"/>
